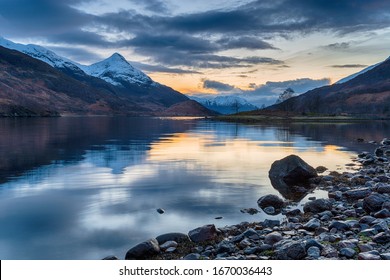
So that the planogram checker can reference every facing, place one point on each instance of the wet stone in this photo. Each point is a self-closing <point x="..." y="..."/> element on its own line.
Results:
<point x="313" y="252"/>
<point x="312" y="224"/>
<point x="370" y="255"/>
<point x="272" y="238"/>
<point x="347" y="252"/>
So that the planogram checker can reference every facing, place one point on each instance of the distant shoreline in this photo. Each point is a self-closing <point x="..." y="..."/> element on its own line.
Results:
<point x="295" y="119"/>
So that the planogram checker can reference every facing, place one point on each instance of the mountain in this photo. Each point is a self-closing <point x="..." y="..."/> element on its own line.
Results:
<point x="367" y="94"/>
<point x="350" y="77"/>
<point x="116" y="70"/>
<point x="229" y="104"/>
<point x="124" y="89"/>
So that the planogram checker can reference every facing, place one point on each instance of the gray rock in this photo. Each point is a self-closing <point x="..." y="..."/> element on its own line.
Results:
<point x="313" y="252"/>
<point x="270" y="223"/>
<point x="270" y="210"/>
<point x="313" y="243"/>
<point x="168" y="244"/>
<point x="204" y="233"/>
<point x="173" y="236"/>
<point x="245" y="243"/>
<point x="369" y="232"/>
<point x="342" y="226"/>
<point x="384" y="213"/>
<point x="366" y="220"/>
<point x="294" y="250"/>
<point x="357" y="194"/>
<point x="386" y="205"/>
<point x="110" y="258"/>
<point x="383" y="189"/>
<point x="170" y="250"/>
<point x="250" y="232"/>
<point x="192" y="256"/>
<point x="385" y="142"/>
<point x="160" y="211"/>
<point x="373" y="202"/>
<point x="317" y="206"/>
<point x="143" y="250"/>
<point x="363" y="247"/>
<point x="270" y="200"/>
<point x="329" y="252"/>
<point x="264" y="247"/>
<point x="288" y="172"/>
<point x="294" y="212"/>
<point x="352" y="244"/>
<point x="272" y="238"/>
<point x="381" y="238"/>
<point x="347" y="252"/>
<point x="250" y="211"/>
<point x="225" y="247"/>
<point x="379" y="152"/>
<point x="385" y="256"/>
<point x="370" y="255"/>
<point x="251" y="250"/>
<point x="312" y="224"/>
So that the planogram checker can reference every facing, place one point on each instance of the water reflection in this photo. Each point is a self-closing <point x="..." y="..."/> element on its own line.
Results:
<point x="83" y="188"/>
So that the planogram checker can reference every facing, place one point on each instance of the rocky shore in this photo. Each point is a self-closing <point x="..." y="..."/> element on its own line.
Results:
<point x="352" y="223"/>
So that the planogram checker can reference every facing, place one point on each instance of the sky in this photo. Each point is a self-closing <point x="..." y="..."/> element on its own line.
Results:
<point x="249" y="47"/>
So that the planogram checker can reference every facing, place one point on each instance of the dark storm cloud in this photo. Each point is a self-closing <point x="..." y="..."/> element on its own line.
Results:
<point x="349" y="66"/>
<point x="245" y="42"/>
<point x="221" y="87"/>
<point x="40" y="17"/>
<point x="188" y="38"/>
<point x="162" y="69"/>
<point x="155" y="6"/>
<point x="205" y="60"/>
<point x="338" y="46"/>
<point x="173" y="42"/>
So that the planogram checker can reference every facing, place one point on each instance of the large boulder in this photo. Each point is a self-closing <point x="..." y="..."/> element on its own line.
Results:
<point x="289" y="172"/>
<point x="143" y="250"/>
<point x="204" y="233"/>
<point x="271" y="200"/>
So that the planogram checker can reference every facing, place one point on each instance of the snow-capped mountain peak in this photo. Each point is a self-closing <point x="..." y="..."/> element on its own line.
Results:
<point x="225" y="104"/>
<point x="116" y="70"/>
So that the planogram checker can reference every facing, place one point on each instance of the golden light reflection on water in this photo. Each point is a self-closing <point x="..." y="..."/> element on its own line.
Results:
<point x="234" y="160"/>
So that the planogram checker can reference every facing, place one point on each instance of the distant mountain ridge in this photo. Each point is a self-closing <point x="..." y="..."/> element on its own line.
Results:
<point x="367" y="94"/>
<point x="127" y="90"/>
<point x="228" y="104"/>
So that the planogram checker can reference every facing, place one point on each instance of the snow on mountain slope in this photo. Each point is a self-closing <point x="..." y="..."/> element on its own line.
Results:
<point x="226" y="104"/>
<point x="116" y="70"/>
<point x="350" y="77"/>
<point x="41" y="53"/>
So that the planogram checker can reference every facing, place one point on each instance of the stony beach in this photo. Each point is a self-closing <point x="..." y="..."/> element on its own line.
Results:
<point x="352" y="223"/>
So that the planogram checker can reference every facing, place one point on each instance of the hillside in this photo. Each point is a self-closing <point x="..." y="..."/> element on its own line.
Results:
<point x="368" y="94"/>
<point x="32" y="87"/>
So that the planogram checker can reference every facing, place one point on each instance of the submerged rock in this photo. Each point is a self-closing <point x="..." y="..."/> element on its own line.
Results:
<point x="270" y="200"/>
<point x="289" y="172"/>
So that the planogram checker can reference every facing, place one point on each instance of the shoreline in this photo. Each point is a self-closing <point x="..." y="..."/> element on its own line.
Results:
<point x="352" y="223"/>
<point x="294" y="119"/>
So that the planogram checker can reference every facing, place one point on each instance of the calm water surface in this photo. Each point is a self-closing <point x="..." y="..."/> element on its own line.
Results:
<point x="84" y="188"/>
